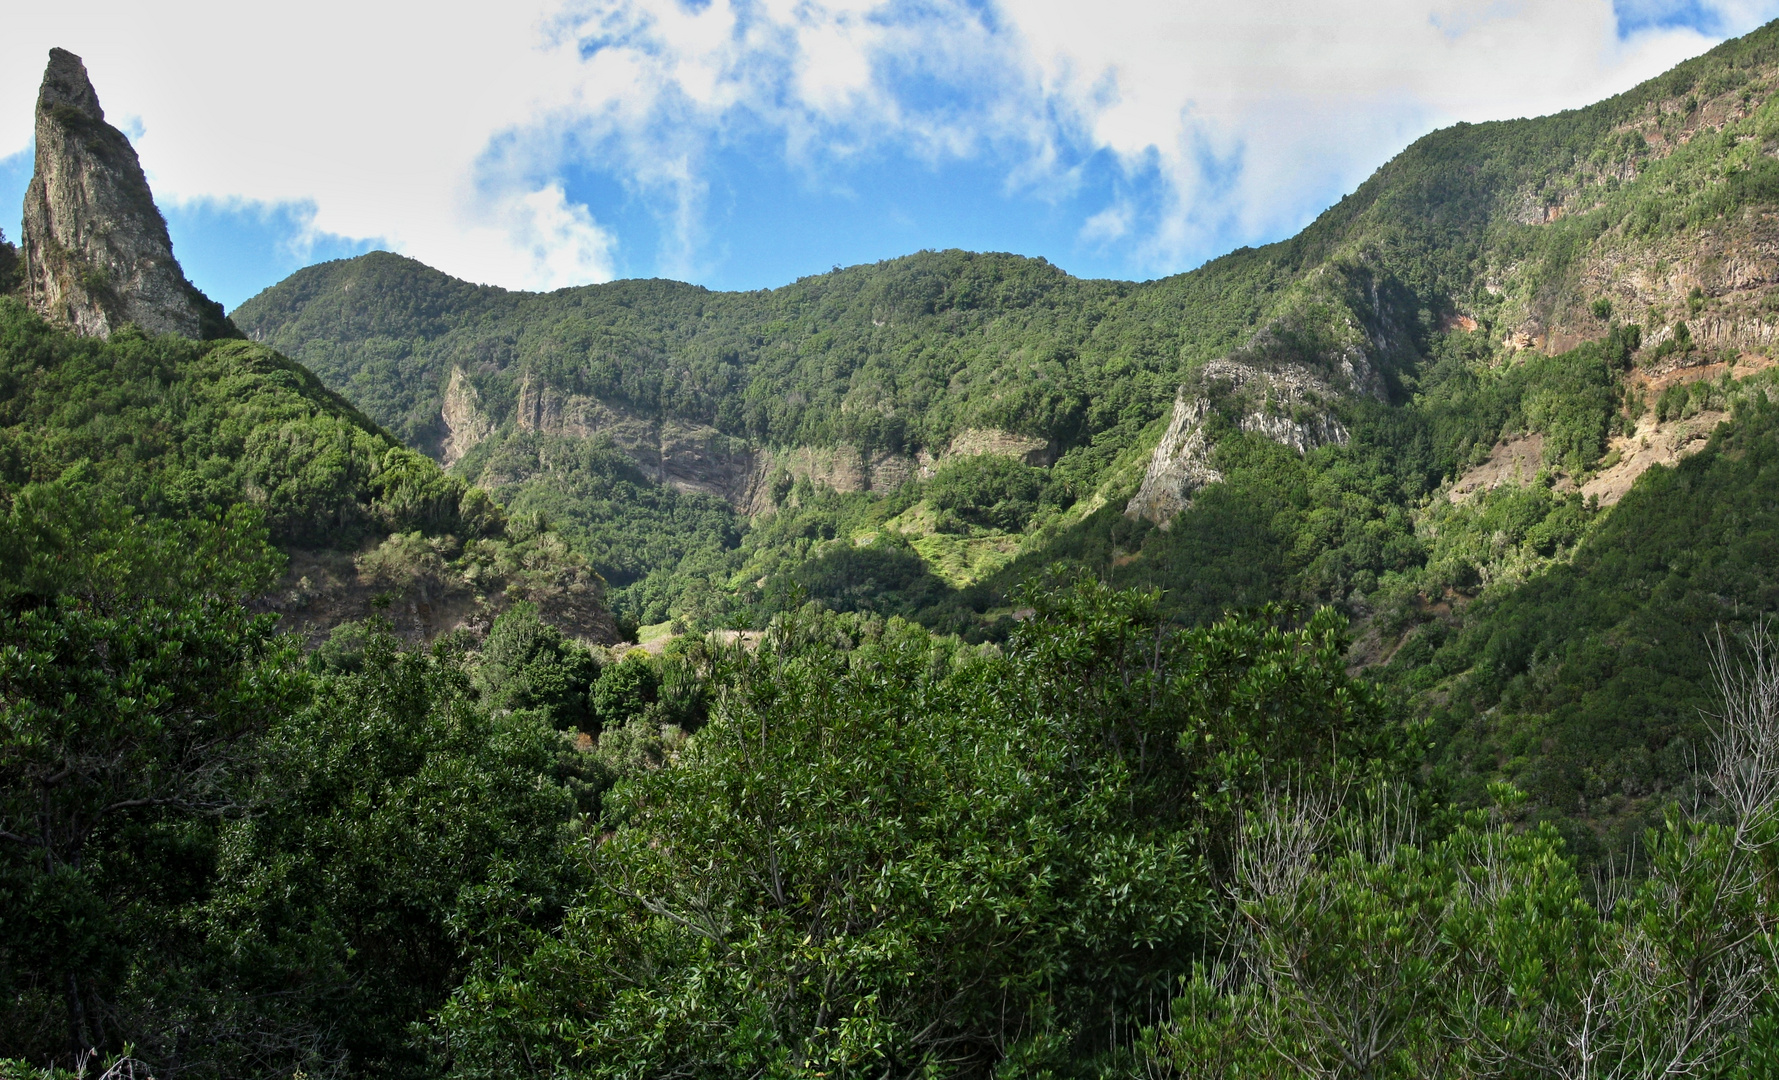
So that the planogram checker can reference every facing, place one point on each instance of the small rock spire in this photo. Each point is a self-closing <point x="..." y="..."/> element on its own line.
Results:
<point x="95" y="248"/>
<point x="65" y="83"/>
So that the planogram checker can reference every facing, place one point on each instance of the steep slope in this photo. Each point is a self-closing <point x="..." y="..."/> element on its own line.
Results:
<point x="1480" y="244"/>
<point x="182" y="429"/>
<point x="1588" y="684"/>
<point x="108" y="393"/>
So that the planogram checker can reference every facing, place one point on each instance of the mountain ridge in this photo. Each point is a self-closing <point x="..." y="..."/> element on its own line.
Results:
<point x="1528" y="314"/>
<point x="1432" y="395"/>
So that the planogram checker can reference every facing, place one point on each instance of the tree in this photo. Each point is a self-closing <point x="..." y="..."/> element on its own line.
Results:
<point x="528" y="664"/>
<point x="396" y="817"/>
<point x="889" y="852"/>
<point x="1361" y="951"/>
<point x="132" y="680"/>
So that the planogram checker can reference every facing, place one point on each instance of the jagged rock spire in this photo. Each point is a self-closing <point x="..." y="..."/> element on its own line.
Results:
<point x="65" y="82"/>
<point x="96" y="250"/>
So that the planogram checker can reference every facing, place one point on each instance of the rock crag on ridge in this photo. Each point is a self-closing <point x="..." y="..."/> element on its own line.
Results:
<point x="1289" y="405"/>
<point x="96" y="254"/>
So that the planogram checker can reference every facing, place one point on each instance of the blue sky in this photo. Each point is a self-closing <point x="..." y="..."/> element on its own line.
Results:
<point x="745" y="143"/>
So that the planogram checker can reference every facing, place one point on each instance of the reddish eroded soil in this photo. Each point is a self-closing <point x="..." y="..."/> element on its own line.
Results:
<point x="1518" y="460"/>
<point x="1654" y="380"/>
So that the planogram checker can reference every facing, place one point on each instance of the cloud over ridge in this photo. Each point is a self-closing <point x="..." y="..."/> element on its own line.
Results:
<point x="521" y="144"/>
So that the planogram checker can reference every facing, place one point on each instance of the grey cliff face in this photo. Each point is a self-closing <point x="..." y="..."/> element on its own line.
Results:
<point x="95" y="249"/>
<point x="1288" y="404"/>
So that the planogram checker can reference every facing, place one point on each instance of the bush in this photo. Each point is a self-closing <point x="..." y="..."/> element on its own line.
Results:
<point x="528" y="664"/>
<point x="890" y="852"/>
<point x="887" y="577"/>
<point x="624" y="691"/>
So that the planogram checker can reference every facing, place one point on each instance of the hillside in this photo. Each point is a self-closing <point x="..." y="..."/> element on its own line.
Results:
<point x="178" y="429"/>
<point x="1347" y="659"/>
<point x="1434" y="394"/>
<point x="865" y="378"/>
<point x="125" y="390"/>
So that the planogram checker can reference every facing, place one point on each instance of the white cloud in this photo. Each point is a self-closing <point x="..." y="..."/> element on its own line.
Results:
<point x="375" y="112"/>
<point x="448" y="129"/>
<point x="1295" y="94"/>
<point x="1112" y="223"/>
<point x="561" y="239"/>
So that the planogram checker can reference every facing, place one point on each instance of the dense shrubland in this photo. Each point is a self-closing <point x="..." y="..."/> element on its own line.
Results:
<point x="1112" y="845"/>
<point x="1133" y="834"/>
<point x="1367" y="946"/>
<point x="228" y="859"/>
<point x="180" y="429"/>
<point x="232" y="859"/>
<point x="892" y="852"/>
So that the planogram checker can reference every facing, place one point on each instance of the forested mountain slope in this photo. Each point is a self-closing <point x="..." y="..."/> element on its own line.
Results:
<point x="1495" y="241"/>
<point x="1433" y="395"/>
<point x="1504" y="419"/>
<point x="180" y="429"/>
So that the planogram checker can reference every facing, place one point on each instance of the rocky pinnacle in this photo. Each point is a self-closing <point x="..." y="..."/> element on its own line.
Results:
<point x="96" y="250"/>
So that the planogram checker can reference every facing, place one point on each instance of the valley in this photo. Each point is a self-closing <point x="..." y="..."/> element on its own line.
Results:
<point x="1437" y="393"/>
<point x="945" y="666"/>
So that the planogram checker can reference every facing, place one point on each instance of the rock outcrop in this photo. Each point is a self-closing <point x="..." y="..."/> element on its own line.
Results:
<point x="1180" y="465"/>
<point x="96" y="251"/>
<point x="1288" y="405"/>
<point x="699" y="458"/>
<point x="466" y="424"/>
<point x="691" y="457"/>
<point x="1029" y="449"/>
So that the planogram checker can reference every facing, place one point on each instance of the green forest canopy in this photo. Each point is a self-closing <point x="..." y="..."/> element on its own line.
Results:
<point x="1127" y="804"/>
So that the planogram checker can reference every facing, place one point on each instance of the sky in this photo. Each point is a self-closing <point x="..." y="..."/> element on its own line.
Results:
<point x="741" y="144"/>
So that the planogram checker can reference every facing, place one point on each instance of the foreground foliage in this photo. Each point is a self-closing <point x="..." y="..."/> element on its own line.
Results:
<point x="1101" y="832"/>
<point x="1361" y="949"/>
<point x="210" y="852"/>
<point x="889" y="852"/>
<point x="1113" y="845"/>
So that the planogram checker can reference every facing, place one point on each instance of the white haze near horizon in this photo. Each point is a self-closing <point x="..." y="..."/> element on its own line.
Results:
<point x="1146" y="136"/>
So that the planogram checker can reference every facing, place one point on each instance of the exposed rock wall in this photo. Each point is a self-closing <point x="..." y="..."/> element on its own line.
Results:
<point x="465" y="422"/>
<point x="96" y="250"/>
<point x="690" y="457"/>
<point x="1026" y="448"/>
<point x="1288" y="405"/>
<point x="847" y="468"/>
<point x="1180" y="465"/>
<point x="426" y="598"/>
<point x="698" y="457"/>
<point x="842" y="468"/>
